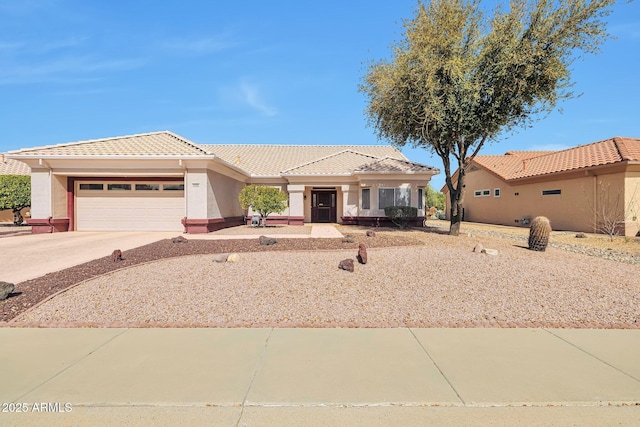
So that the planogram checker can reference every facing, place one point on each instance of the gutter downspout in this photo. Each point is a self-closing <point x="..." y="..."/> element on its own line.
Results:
<point x="595" y="203"/>
<point x="186" y="192"/>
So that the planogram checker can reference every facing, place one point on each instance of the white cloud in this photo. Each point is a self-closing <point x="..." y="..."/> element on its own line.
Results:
<point x="201" y="46"/>
<point x="64" y="68"/>
<point x="252" y="97"/>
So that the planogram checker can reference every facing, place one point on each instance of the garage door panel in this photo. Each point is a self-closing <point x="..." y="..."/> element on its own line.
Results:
<point x="128" y="211"/>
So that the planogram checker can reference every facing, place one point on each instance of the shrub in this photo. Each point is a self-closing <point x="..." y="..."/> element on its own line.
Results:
<point x="15" y="194"/>
<point x="401" y="215"/>
<point x="264" y="200"/>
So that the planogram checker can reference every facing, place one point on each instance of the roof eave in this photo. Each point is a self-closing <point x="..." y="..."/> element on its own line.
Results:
<point x="110" y="157"/>
<point x="431" y="173"/>
<point x="314" y="174"/>
<point x="571" y="171"/>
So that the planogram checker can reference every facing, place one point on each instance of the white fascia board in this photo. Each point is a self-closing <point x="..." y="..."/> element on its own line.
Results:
<point x="109" y="157"/>
<point x="116" y="173"/>
<point x="315" y="175"/>
<point x="430" y="173"/>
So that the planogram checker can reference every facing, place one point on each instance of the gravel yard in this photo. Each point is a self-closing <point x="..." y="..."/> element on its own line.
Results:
<point x="412" y="278"/>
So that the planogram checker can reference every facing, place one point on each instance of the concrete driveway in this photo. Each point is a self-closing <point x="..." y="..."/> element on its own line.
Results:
<point x="34" y="255"/>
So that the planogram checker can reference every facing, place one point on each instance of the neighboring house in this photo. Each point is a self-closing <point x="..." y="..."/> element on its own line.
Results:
<point x="12" y="167"/>
<point x="162" y="181"/>
<point x="577" y="188"/>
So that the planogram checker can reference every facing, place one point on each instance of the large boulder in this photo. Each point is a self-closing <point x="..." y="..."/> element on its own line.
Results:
<point x="5" y="289"/>
<point x="179" y="239"/>
<point x="362" y="254"/>
<point x="371" y="233"/>
<point x="116" y="255"/>
<point x="221" y="258"/>
<point x="233" y="258"/>
<point x="347" y="265"/>
<point x="348" y="239"/>
<point x="267" y="241"/>
<point x="493" y="252"/>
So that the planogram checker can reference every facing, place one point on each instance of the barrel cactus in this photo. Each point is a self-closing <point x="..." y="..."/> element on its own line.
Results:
<point x="539" y="233"/>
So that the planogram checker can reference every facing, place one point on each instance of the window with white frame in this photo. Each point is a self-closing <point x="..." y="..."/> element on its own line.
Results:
<point x="420" y="198"/>
<point x="394" y="197"/>
<point x="496" y="192"/>
<point x="482" y="193"/>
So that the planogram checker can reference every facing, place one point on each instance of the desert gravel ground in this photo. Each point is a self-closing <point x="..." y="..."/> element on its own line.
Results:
<point x="412" y="278"/>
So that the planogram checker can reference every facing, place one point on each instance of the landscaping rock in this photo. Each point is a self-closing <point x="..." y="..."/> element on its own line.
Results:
<point x="581" y="236"/>
<point x="267" y="241"/>
<point x="362" y="254"/>
<point x="5" y="289"/>
<point x="116" y="255"/>
<point x="221" y="258"/>
<point x="371" y="233"/>
<point x="492" y="252"/>
<point x="348" y="239"/>
<point x="233" y="258"/>
<point x="179" y="239"/>
<point x="478" y="248"/>
<point x="347" y="265"/>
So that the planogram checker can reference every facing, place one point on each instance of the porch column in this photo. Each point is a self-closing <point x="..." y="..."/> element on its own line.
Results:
<point x="196" y="219"/>
<point x="350" y="199"/>
<point x="296" y="204"/>
<point x="42" y="204"/>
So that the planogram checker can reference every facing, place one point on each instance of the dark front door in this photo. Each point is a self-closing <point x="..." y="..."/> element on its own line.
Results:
<point x="323" y="206"/>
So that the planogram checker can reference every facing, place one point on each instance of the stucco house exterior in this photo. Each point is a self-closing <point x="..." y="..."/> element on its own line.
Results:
<point x="162" y="181"/>
<point x="575" y="188"/>
<point x="12" y="167"/>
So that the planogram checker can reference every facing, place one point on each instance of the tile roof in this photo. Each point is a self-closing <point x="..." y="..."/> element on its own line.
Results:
<point x="255" y="160"/>
<point x="388" y="164"/>
<point x="342" y="162"/>
<point x="163" y="143"/>
<point x="13" y="167"/>
<point x="272" y="160"/>
<point x="525" y="164"/>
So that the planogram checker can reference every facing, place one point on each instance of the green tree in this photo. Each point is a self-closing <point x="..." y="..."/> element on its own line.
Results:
<point x="263" y="199"/>
<point x="15" y="194"/>
<point x="434" y="198"/>
<point x="460" y="78"/>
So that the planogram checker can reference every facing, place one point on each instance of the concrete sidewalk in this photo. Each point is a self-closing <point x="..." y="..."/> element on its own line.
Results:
<point x="319" y="377"/>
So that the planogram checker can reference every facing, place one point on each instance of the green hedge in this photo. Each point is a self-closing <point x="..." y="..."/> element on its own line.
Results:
<point x="401" y="215"/>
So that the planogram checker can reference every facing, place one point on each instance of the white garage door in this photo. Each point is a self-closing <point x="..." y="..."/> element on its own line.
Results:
<point x="129" y="206"/>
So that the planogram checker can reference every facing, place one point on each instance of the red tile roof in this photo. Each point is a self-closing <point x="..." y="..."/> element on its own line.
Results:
<point x="525" y="164"/>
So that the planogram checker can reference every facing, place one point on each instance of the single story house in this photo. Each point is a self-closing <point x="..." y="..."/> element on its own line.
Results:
<point x="578" y="189"/>
<point x="12" y="167"/>
<point x="162" y="181"/>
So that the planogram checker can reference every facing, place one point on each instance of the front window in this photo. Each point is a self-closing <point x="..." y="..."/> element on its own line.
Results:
<point x="420" y="198"/>
<point x="394" y="197"/>
<point x="366" y="198"/>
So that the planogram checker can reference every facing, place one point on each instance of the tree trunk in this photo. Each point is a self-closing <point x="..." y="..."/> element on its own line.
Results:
<point x="17" y="217"/>
<point x="456" y="197"/>
<point x="456" y="218"/>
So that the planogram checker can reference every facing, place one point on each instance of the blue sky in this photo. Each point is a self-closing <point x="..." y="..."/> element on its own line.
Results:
<point x="276" y="72"/>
